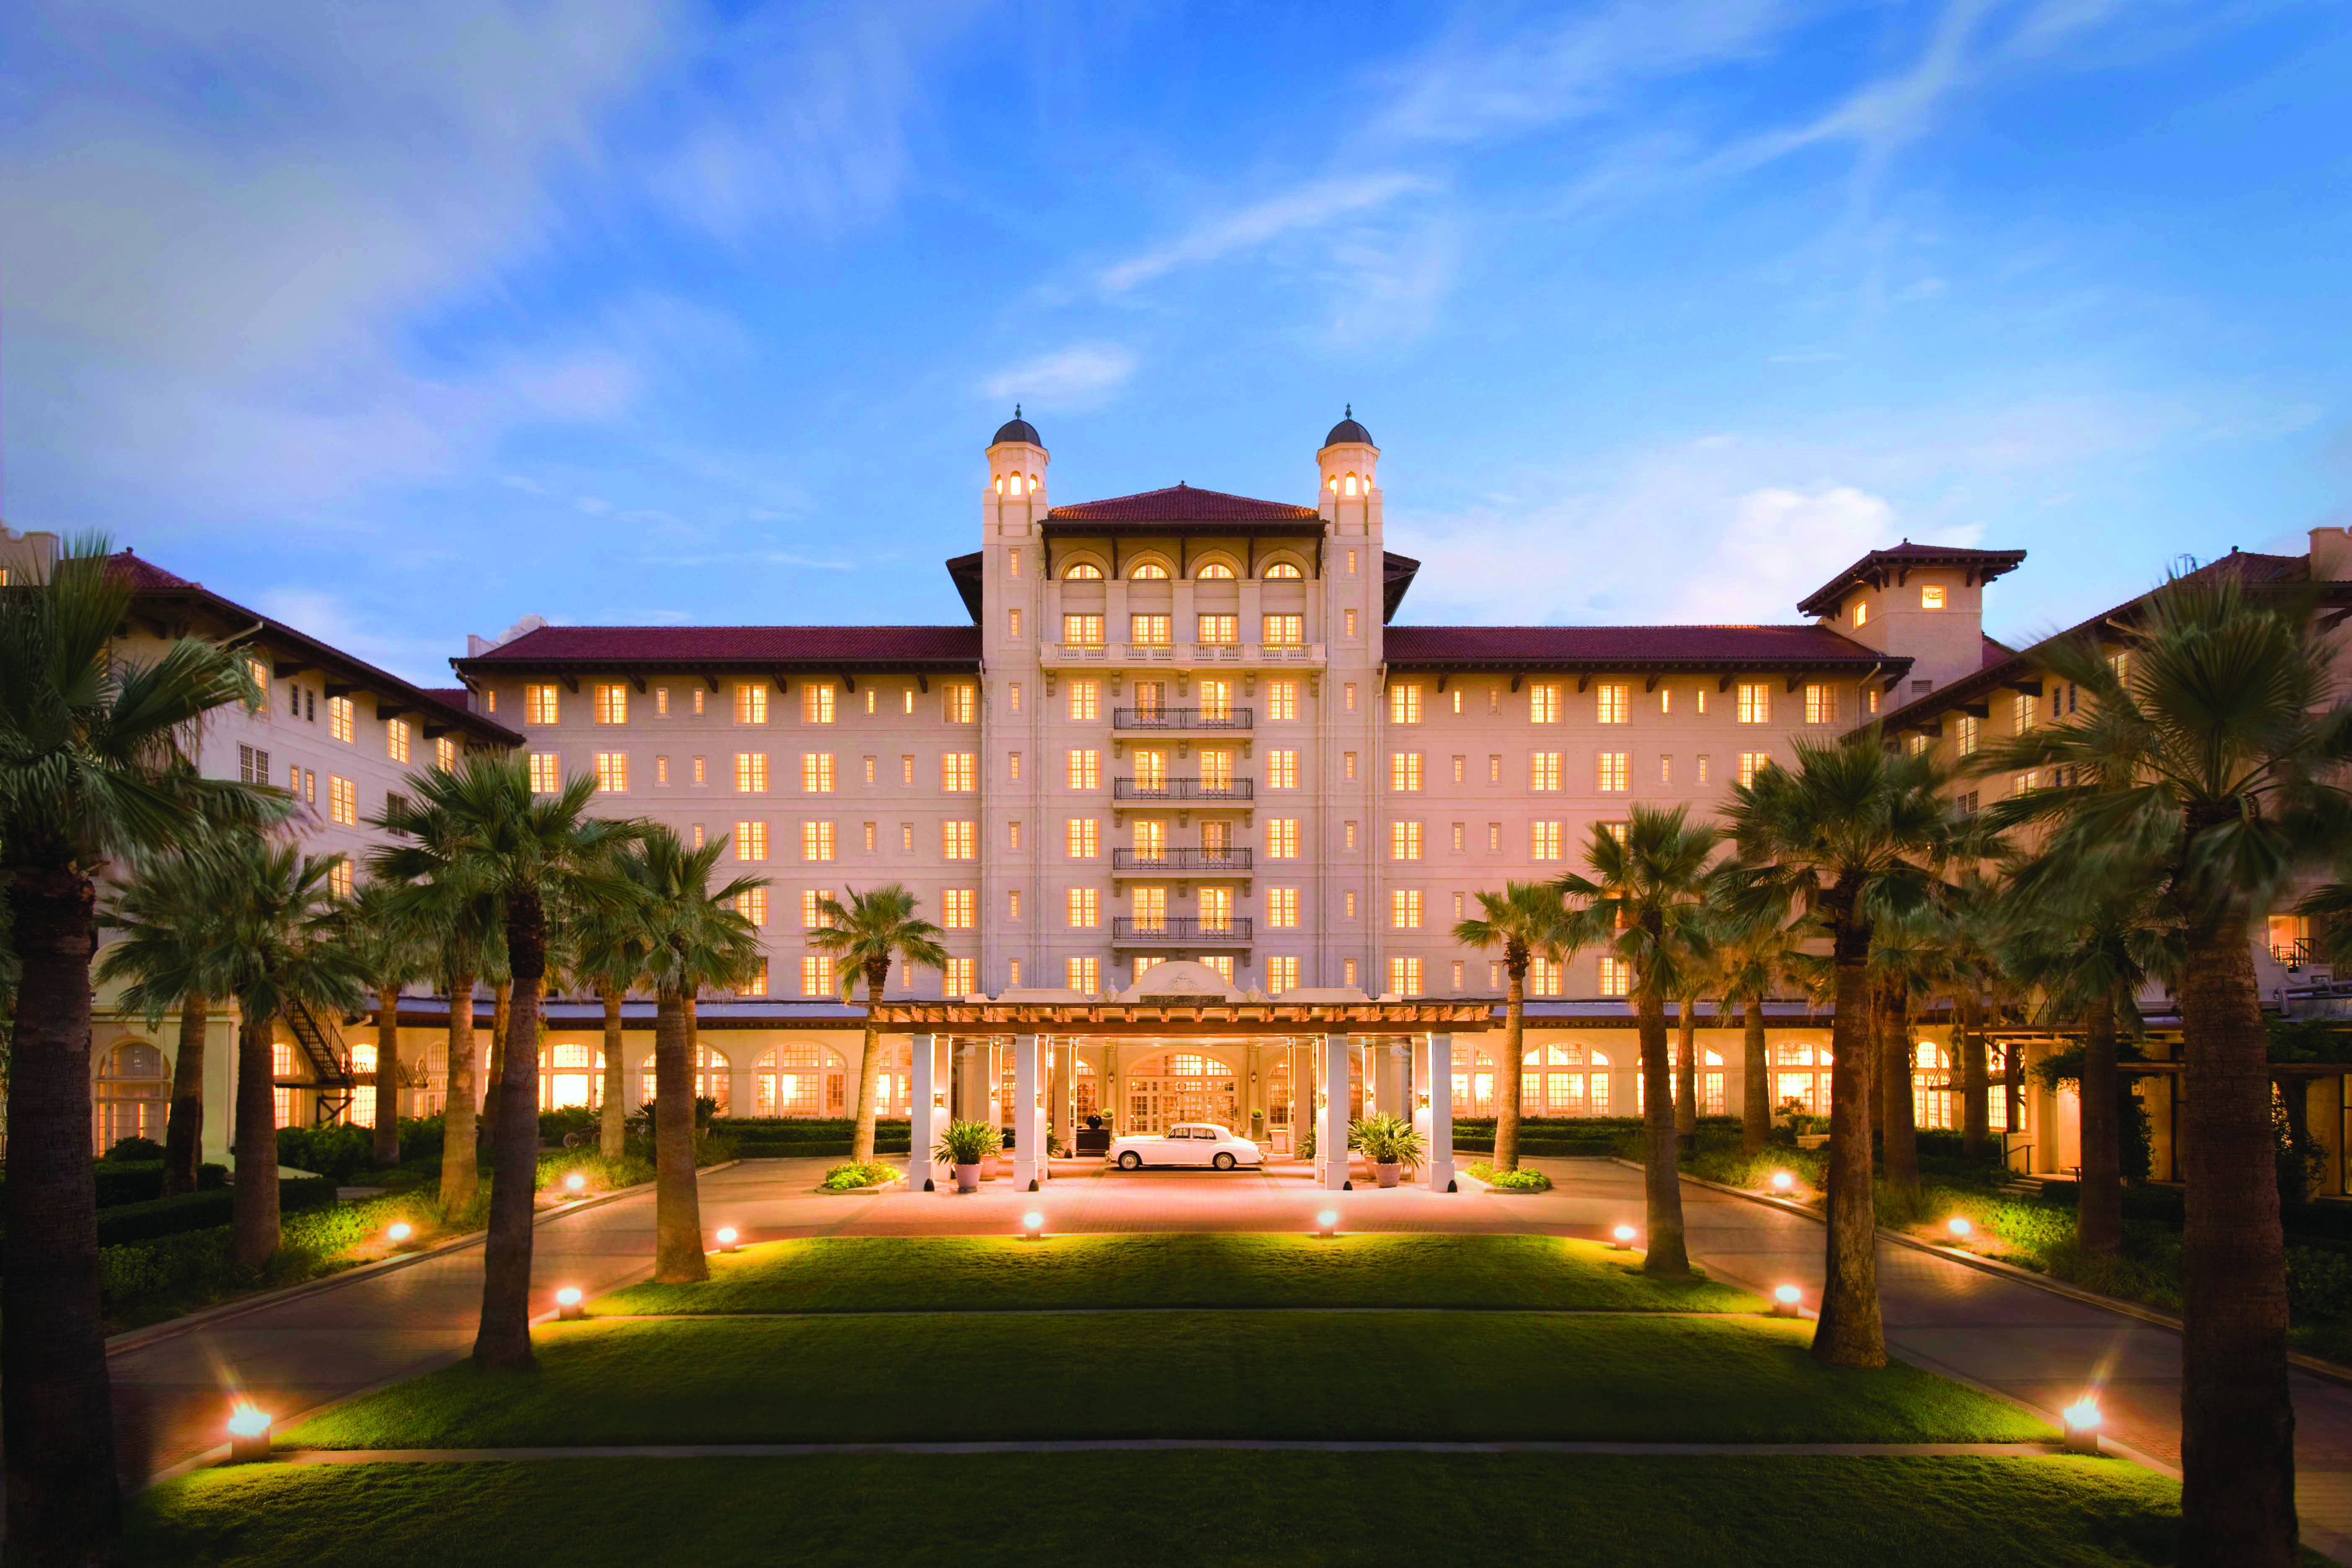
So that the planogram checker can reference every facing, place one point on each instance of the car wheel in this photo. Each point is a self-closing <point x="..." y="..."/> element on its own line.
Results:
<point x="1130" y="1161"/>
<point x="1223" y="1161"/>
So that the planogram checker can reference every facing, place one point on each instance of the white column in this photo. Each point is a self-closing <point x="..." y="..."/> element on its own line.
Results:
<point x="1331" y="1137"/>
<point x="1026" y="1116"/>
<point x="924" y="1118"/>
<point x="1437" y="1082"/>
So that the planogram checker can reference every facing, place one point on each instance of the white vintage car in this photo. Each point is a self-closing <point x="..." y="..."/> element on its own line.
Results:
<point x="1186" y="1144"/>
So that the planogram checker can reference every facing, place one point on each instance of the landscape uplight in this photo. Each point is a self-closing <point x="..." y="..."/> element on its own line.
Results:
<point x="726" y="1238"/>
<point x="1327" y="1223"/>
<point x="1032" y="1225"/>
<point x="1622" y="1239"/>
<point x="398" y="1232"/>
<point x="1783" y="1180"/>
<point x="567" y="1304"/>
<point x="2083" y="1426"/>
<point x="1784" y="1302"/>
<point x="1961" y="1230"/>
<point x="575" y="1183"/>
<point x="248" y="1433"/>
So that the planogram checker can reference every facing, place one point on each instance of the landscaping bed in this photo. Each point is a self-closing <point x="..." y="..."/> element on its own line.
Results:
<point x="870" y="1274"/>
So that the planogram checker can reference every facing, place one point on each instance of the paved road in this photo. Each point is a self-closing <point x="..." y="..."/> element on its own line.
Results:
<point x="2037" y="1347"/>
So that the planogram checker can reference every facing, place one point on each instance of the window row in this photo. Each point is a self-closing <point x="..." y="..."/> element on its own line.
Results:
<point x="820" y="701"/>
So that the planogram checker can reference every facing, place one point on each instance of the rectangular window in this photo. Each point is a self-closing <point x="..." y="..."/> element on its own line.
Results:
<point x="1085" y="700"/>
<point x="701" y="770"/>
<point x="661" y="701"/>
<point x="1404" y="840"/>
<point x="612" y="773"/>
<point x="906" y="768"/>
<point x="1012" y="625"/>
<point x="1614" y="703"/>
<point x="1348" y="904"/>
<point x="341" y="712"/>
<point x="1751" y="763"/>
<point x="1149" y="630"/>
<point x="1083" y="631"/>
<point x="1013" y="563"/>
<point x="960" y="840"/>
<point x="1149" y="906"/>
<point x="1347" y="972"/>
<point x="1084" y="908"/>
<point x="1461" y="768"/>
<point x="960" y="907"/>
<point x="1404" y="909"/>
<point x="1543" y="771"/>
<point x="750" y="773"/>
<point x="751" y="903"/>
<point x="396" y="732"/>
<point x="961" y="702"/>
<point x="1347" y="696"/>
<point x="342" y="801"/>
<point x="816" y="841"/>
<point x="1347" y="837"/>
<point x="1282" y="769"/>
<point x="1083" y="841"/>
<point x="1931" y="595"/>
<point x="816" y="975"/>
<point x="816" y="772"/>
<point x="1665" y="770"/>
<point x="1083" y="974"/>
<point x="1404" y="771"/>
<point x="1404" y="976"/>
<point x="1544" y="840"/>
<point x="756" y="982"/>
<point x="1964" y="734"/>
<point x="697" y="841"/>
<point x="958" y="772"/>
<point x="2025" y="711"/>
<point x="1543" y="977"/>
<point x="1284" y="631"/>
<point x="1405" y="702"/>
<point x="1461" y="836"/>
<point x="1282" y="838"/>
<point x="1013" y="697"/>
<point x="1543" y="702"/>
<point x="1348" y="622"/>
<point x="444" y="753"/>
<point x="750" y="841"/>
<point x="1013" y="836"/>
<point x="1348" y="765"/>
<point x="698" y="695"/>
<point x="1702" y="767"/>
<point x="961" y="977"/>
<point x="816" y="702"/>
<point x="1282" y="700"/>
<point x="751" y="703"/>
<point x="1281" y="973"/>
<point x="1616" y="977"/>
<point x="338" y="882"/>
<point x="1613" y="772"/>
<point x="252" y="765"/>
<point x="813" y="903"/>
<point x="1754" y="702"/>
<point x="612" y="706"/>
<point x="1085" y="768"/>
<point x="1282" y="907"/>
<point x="1013" y="903"/>
<point x="539" y="704"/>
<point x="1218" y="631"/>
<point x="546" y="774"/>
<point x="1820" y="703"/>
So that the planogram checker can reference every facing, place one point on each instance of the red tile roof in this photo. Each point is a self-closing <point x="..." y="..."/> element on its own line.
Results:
<point x="1182" y="504"/>
<point x="902" y="648"/>
<point x="1631" y="647"/>
<point x="1982" y="566"/>
<point x="143" y="576"/>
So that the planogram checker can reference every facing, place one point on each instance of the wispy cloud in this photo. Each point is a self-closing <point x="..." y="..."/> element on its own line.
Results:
<point x="1310" y="206"/>
<point x="1082" y="375"/>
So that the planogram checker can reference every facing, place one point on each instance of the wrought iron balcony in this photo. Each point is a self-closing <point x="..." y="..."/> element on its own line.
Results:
<point x="1181" y="930"/>
<point x="1182" y="718"/>
<point x="1181" y="789"/>
<point x="2294" y="952"/>
<point x="1208" y="862"/>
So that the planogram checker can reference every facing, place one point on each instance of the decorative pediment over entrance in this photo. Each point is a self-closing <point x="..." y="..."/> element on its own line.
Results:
<point x="1181" y="980"/>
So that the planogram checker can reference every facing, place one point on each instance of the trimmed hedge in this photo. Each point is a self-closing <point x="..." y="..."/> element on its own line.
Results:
<point x="202" y="1210"/>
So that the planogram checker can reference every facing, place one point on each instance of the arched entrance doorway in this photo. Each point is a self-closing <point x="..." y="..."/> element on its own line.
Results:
<point x="1180" y="1086"/>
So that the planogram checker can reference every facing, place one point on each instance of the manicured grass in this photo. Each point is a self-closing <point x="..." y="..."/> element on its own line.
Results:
<point x="871" y="1274"/>
<point x="1440" y="1376"/>
<point x="1170" y="1509"/>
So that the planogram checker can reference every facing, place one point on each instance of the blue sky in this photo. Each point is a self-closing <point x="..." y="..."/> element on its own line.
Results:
<point x="406" y="320"/>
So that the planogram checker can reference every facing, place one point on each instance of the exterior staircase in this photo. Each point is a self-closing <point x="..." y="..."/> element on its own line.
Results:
<point x="328" y="1061"/>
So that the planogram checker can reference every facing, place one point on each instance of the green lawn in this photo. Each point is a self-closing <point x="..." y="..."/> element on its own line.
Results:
<point x="876" y="1274"/>
<point x="1170" y="1509"/>
<point x="1448" y="1376"/>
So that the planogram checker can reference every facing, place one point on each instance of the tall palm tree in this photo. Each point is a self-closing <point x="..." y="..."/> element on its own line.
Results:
<point x="866" y="936"/>
<point x="1526" y="921"/>
<point x="1695" y="981"/>
<point x="285" y="942"/>
<point x="1849" y="836"/>
<point x="1752" y="958"/>
<point x="1976" y="985"/>
<point x="524" y="852"/>
<point x="610" y="947"/>
<point x="2208" y="749"/>
<point x="1647" y="903"/>
<point x="170" y="950"/>
<point x="694" y="937"/>
<point x="391" y="936"/>
<point x="1907" y="962"/>
<point x="96" y="770"/>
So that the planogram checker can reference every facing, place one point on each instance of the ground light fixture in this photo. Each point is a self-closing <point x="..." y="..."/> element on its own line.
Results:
<point x="1327" y="1223"/>
<point x="1961" y="1230"/>
<point x="1032" y="1225"/>
<point x="567" y="1304"/>
<point x="1783" y="1180"/>
<point x="2082" y="1420"/>
<point x="1784" y="1302"/>
<point x="1622" y="1239"/>
<point x="575" y="1183"/>
<point x="248" y="1433"/>
<point x="726" y="1238"/>
<point x="399" y="1232"/>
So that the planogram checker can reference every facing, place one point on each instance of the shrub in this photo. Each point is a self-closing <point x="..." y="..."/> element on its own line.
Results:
<point x="339" y="1150"/>
<point x="134" y="1149"/>
<point x="202" y="1210"/>
<point x="850" y="1174"/>
<point x="1509" y="1181"/>
<point x="121" y="1181"/>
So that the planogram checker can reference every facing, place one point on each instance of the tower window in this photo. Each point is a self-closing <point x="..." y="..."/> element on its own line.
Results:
<point x="1348" y="486"/>
<point x="1861" y="612"/>
<point x="1931" y="596"/>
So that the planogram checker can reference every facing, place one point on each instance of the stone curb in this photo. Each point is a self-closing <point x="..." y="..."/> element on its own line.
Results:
<point x="305" y="1456"/>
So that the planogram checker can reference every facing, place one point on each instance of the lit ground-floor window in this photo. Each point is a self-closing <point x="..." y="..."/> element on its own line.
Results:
<point x="133" y="1094"/>
<point x="570" y="1076"/>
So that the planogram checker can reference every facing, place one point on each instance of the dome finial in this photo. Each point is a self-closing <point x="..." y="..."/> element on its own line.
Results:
<point x="1016" y="411"/>
<point x="1349" y="407"/>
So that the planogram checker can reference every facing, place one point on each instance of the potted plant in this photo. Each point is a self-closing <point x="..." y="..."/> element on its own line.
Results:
<point x="1391" y="1144"/>
<point x="964" y="1144"/>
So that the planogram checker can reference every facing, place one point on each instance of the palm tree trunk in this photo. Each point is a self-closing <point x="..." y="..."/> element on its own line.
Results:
<point x="501" y="1021"/>
<point x="2237" y="1439"/>
<point x="386" y="1151"/>
<point x="1508" y="1070"/>
<point x="1902" y="1111"/>
<point x="459" y="1178"/>
<point x="1756" y="1087"/>
<point x="503" y="1340"/>
<point x="1876" y="1024"/>
<point x="2099" y="1198"/>
<point x="1686" y="1075"/>
<point x="610" y="1132"/>
<point x="254" y="1211"/>
<point x="183" y="1132"/>
<point x="1850" y="1332"/>
<point x="1976" y="1108"/>
<point x="677" y="1208"/>
<point x="869" y="1074"/>
<point x="1662" y="1172"/>
<point x="63" y="1503"/>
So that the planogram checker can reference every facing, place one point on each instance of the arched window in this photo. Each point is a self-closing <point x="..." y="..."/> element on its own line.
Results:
<point x="134" y="1090"/>
<point x="1148" y="572"/>
<point x="1083" y="572"/>
<point x="1000" y="484"/>
<point x="1016" y="484"/>
<point x="807" y="1080"/>
<point x="1215" y="571"/>
<point x="1282" y="571"/>
<point x="1348" y="486"/>
<point x="570" y="1073"/>
<point x="1544" y="1089"/>
<point x="711" y="1078"/>
<point x="1935" y="1099"/>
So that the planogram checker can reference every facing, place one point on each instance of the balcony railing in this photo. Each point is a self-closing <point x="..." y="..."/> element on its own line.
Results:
<point x="1213" y="862"/>
<point x="2294" y="952"/>
<point x="1181" y="789"/>
<point x="1182" y="718"/>
<point x="1182" y="928"/>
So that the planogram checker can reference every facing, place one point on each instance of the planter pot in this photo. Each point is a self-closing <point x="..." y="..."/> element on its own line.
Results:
<point x="967" y="1178"/>
<point x="989" y="1168"/>
<point x="1387" y="1174"/>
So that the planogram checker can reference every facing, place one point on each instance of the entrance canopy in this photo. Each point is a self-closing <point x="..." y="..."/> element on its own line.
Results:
<point x="1078" y="1016"/>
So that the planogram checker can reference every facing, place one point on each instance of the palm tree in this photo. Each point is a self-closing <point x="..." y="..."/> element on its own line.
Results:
<point x="96" y="770"/>
<point x="523" y="852"/>
<point x="1648" y="904"/>
<point x="1907" y="961"/>
<point x="1976" y="985"/>
<point x="1695" y="982"/>
<point x="1526" y="921"/>
<point x="171" y="949"/>
<point x="694" y="937"/>
<point x="2205" y="750"/>
<point x="1752" y="957"/>
<point x="609" y="952"/>
<point x="391" y="934"/>
<point x="866" y="936"/>
<point x="285" y="949"/>
<point x="1852" y="833"/>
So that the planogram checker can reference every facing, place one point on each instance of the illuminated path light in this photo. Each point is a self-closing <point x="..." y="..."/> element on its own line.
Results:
<point x="1783" y="1180"/>
<point x="1784" y="1302"/>
<point x="567" y="1304"/>
<point x="248" y="1433"/>
<point x="399" y="1232"/>
<point x="726" y="1238"/>
<point x="1032" y="1225"/>
<point x="1961" y="1230"/>
<point x="2082" y="1421"/>
<point x="1623" y="1239"/>
<point x="1327" y="1223"/>
<point x="575" y="1183"/>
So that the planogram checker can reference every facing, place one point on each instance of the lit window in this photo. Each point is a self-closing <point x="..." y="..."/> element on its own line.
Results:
<point x="1614" y="772"/>
<point x="1282" y="700"/>
<point x="755" y="984"/>
<point x="539" y="704"/>
<point x="612" y="703"/>
<point x="1148" y="572"/>
<point x="1012" y="624"/>
<point x="1086" y="698"/>
<point x="1347" y="972"/>
<point x="1914" y="745"/>
<point x="338" y="882"/>
<point x="1820" y="704"/>
<point x="816" y="772"/>
<point x="1543" y="702"/>
<point x="1543" y="771"/>
<point x="1083" y="841"/>
<point x="816" y="841"/>
<point x="1347" y="696"/>
<point x="1083" y="974"/>
<point x="395" y="740"/>
<point x="1083" y="572"/>
<point x="961" y="978"/>
<point x="1754" y="702"/>
<point x="1013" y="903"/>
<point x="751" y="903"/>
<point x="1616" y="977"/>
<point x="750" y="773"/>
<point x="1702" y="761"/>
<point x="2025" y="711"/>
<point x="1282" y="769"/>
<point x="612" y="773"/>
<point x="958" y="772"/>
<point x="1404" y="840"/>
<point x="1013" y="836"/>
<point x="1282" y="838"/>
<point x="661" y="770"/>
<point x="1964" y="734"/>
<point x="959" y="908"/>
<point x="2026" y="783"/>
<point x="1544" y="840"/>
<point x="1219" y="631"/>
<point x="960" y="840"/>
<point x="1215" y="571"/>
<point x="816" y="702"/>
<point x="1348" y="622"/>
<point x="1404" y="909"/>
<point x="1085" y="768"/>
<point x="1084" y="908"/>
<point x="962" y="699"/>
<point x="1543" y="977"/>
<point x="546" y="775"/>
<point x="1405" y="702"/>
<point x="1751" y="763"/>
<point x="813" y="903"/>
<point x="1614" y="704"/>
<point x="816" y="975"/>
<point x="1282" y="969"/>
<point x="444" y="754"/>
<point x="1150" y="630"/>
<point x="1404" y="771"/>
<point x="342" y="801"/>
<point x="701" y="770"/>
<point x="1285" y="631"/>
<point x="1861" y="612"/>
<point x="1347" y="837"/>
<point x="699" y="694"/>
<point x="340" y="713"/>
<point x="1282" y="571"/>
<point x="661" y="701"/>
<point x="1614" y="829"/>
<point x="1282" y="907"/>
<point x="1404" y="976"/>
<point x="1931" y="595"/>
<point x="750" y="841"/>
<point x="751" y="703"/>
